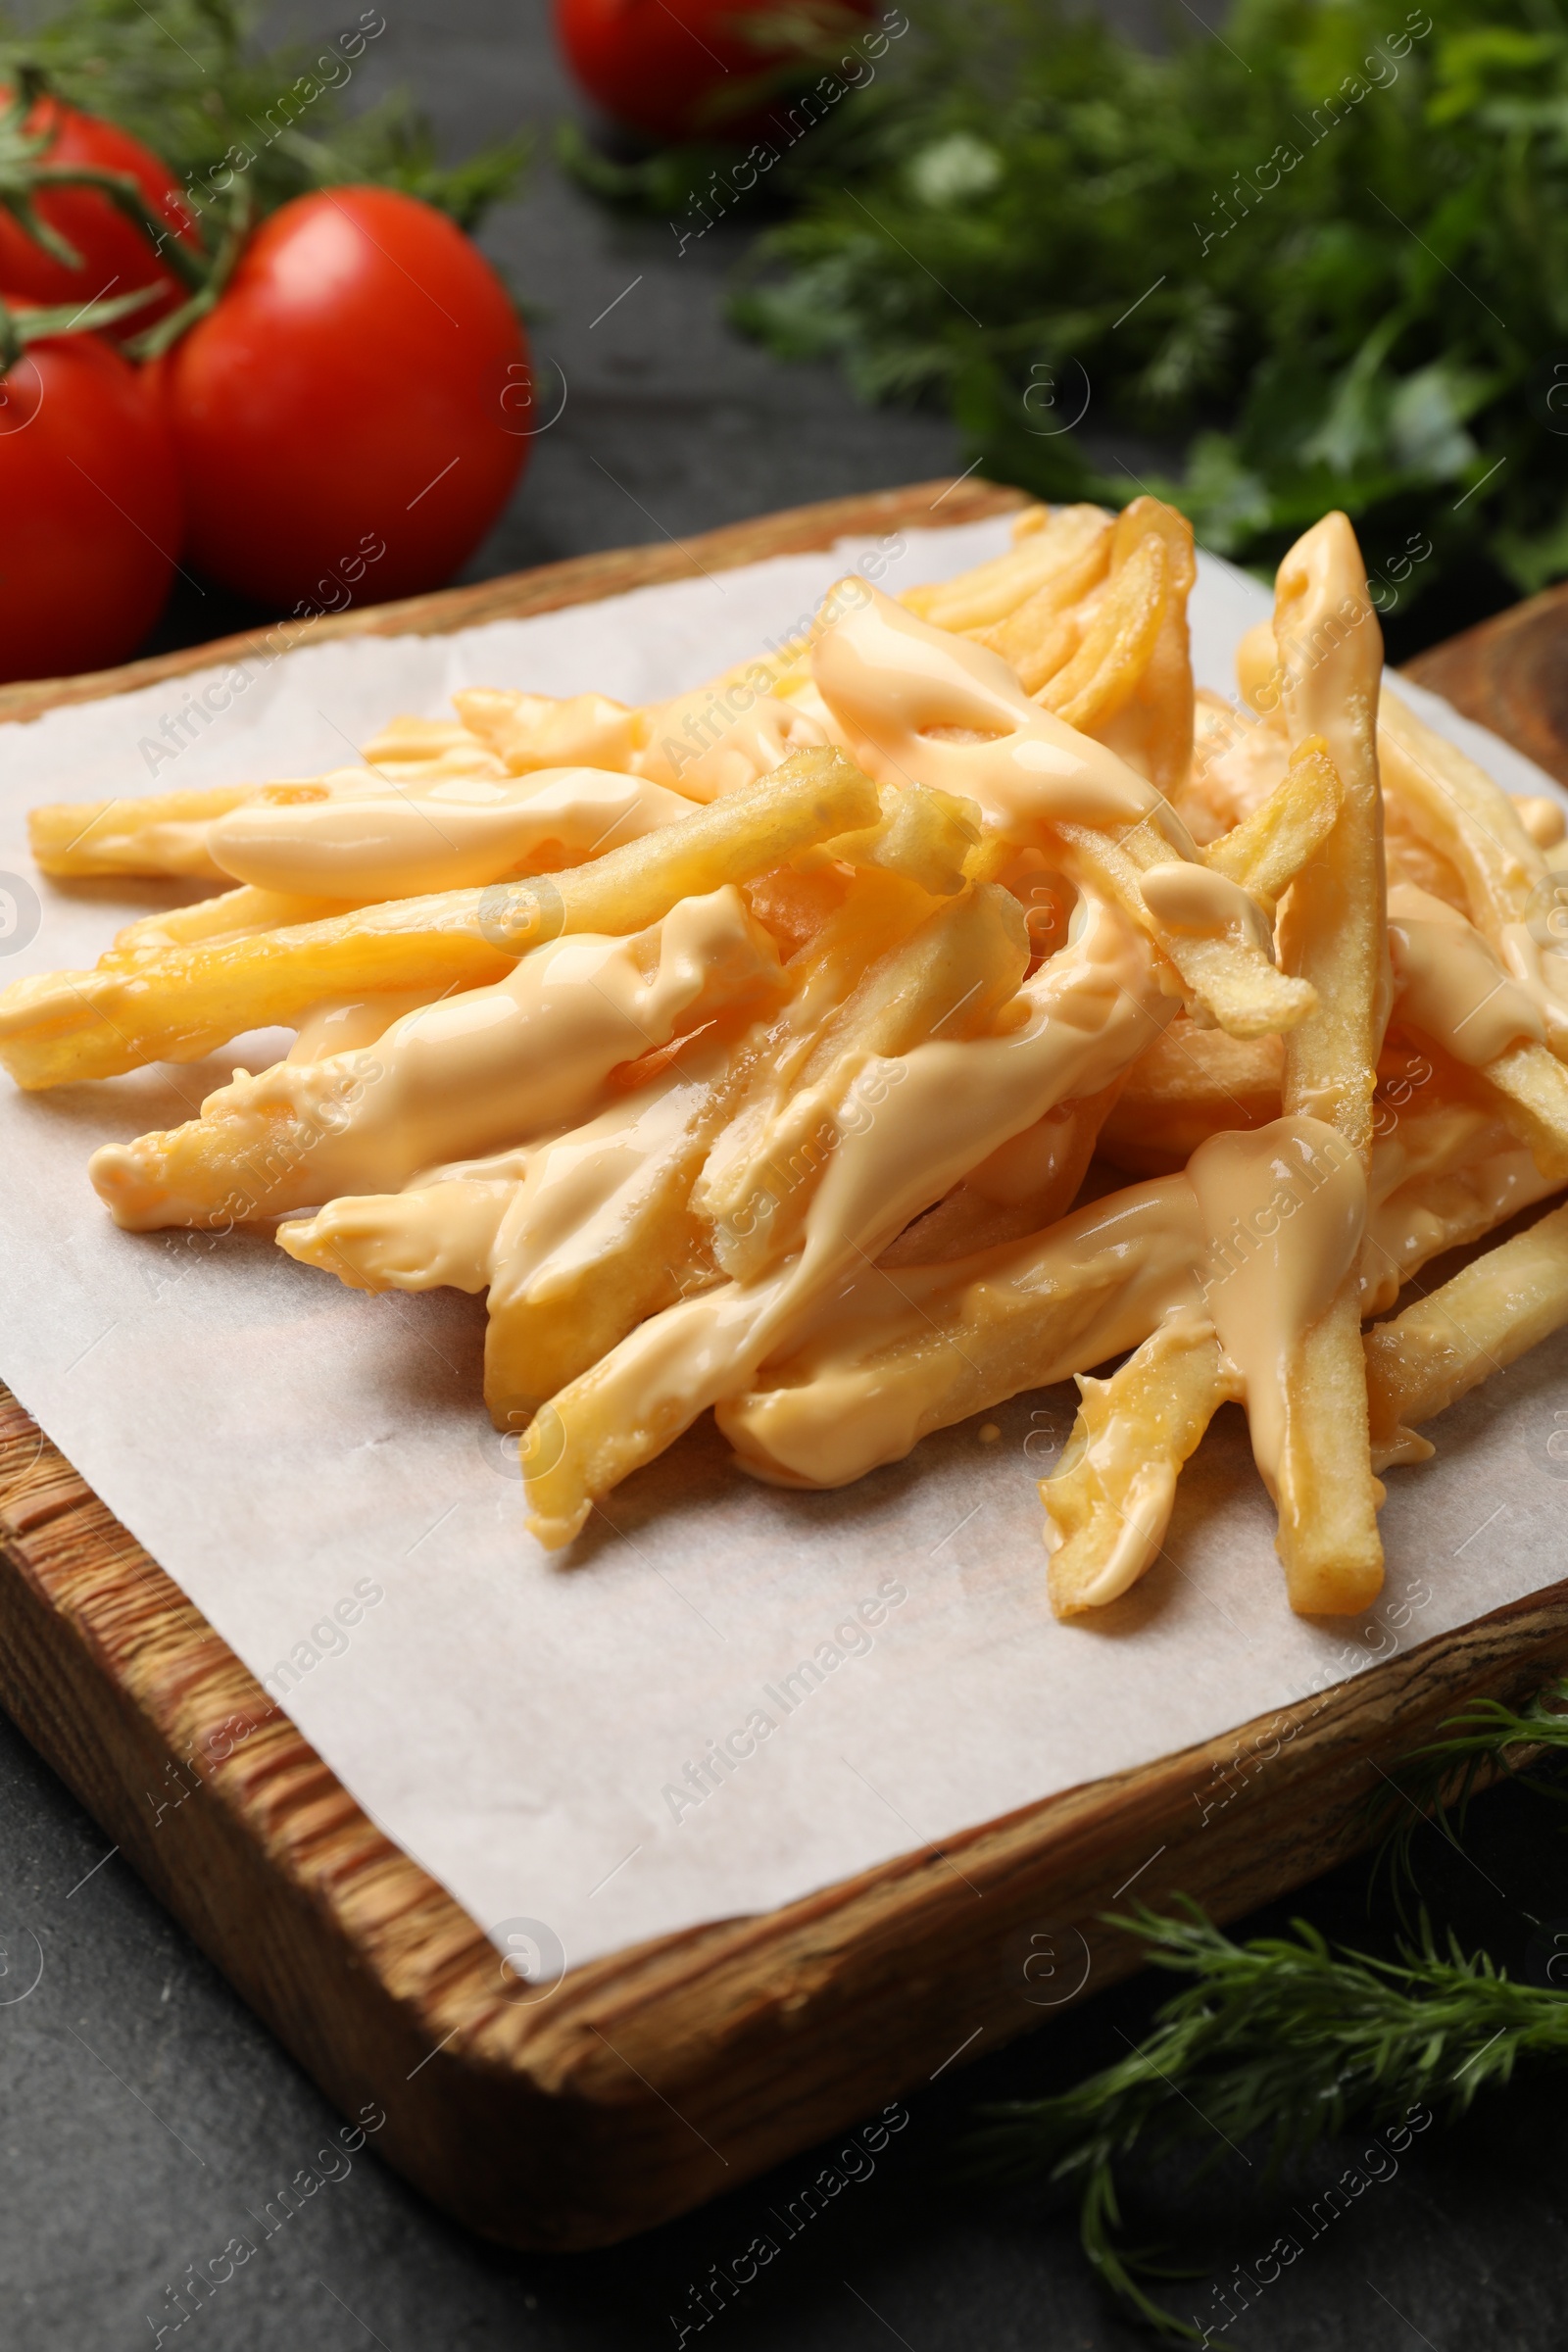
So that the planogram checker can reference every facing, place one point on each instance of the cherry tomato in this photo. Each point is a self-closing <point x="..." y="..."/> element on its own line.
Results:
<point x="360" y="386"/>
<point x="89" y="494"/>
<point x="666" y="67"/>
<point x="115" y="257"/>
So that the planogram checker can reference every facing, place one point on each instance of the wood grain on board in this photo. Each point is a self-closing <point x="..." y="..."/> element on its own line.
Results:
<point x="644" y="2082"/>
<point x="1511" y="674"/>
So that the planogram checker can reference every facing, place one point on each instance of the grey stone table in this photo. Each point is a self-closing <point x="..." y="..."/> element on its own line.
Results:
<point x="146" y="2120"/>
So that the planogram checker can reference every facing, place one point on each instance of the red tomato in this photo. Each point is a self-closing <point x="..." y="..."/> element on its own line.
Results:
<point x="116" y="257"/>
<point x="89" y="494"/>
<point x="666" y="66"/>
<point x="359" y="387"/>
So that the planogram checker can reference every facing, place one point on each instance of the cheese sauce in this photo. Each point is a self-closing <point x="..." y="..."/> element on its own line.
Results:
<point x="471" y="1073"/>
<point x="922" y="706"/>
<point x="1450" y="985"/>
<point x="358" y="839"/>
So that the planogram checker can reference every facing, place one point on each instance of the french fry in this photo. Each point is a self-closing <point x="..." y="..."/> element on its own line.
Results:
<point x="1108" y="1504"/>
<point x="527" y="731"/>
<point x="907" y="1348"/>
<point x="552" y="1317"/>
<point x="1225" y="973"/>
<point x="1041" y="635"/>
<point x="1190" y="1084"/>
<point x="928" y="836"/>
<point x="979" y="599"/>
<point x="1484" y="1031"/>
<point x="240" y="914"/>
<point x="183" y="1003"/>
<point x="578" y="1240"/>
<point x="1117" y="645"/>
<point x="497" y="1067"/>
<point x="881" y="669"/>
<point x="1466" y="818"/>
<point x="1444" y="1173"/>
<point x="411" y="750"/>
<point x="1268" y="848"/>
<point x="1478" y="1323"/>
<point x="1151" y="726"/>
<point x="939" y="1112"/>
<point x="156" y="833"/>
<point x="950" y="978"/>
<point x="1237" y="762"/>
<point x="1332" y="933"/>
<point x="1025" y="1186"/>
<point x="1528" y="1086"/>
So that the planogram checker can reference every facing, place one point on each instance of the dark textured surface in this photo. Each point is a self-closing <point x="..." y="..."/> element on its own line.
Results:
<point x="147" y="2119"/>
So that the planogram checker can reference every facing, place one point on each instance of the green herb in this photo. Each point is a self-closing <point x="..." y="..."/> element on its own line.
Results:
<point x="1436" y="1782"/>
<point x="1326" y="251"/>
<point x="1282" y="2040"/>
<point x="191" y="80"/>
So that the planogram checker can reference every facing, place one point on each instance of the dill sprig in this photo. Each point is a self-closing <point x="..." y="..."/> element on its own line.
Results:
<point x="1436" y="1783"/>
<point x="1280" y="2041"/>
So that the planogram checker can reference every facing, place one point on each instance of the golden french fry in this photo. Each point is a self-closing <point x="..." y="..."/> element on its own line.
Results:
<point x="1528" y="1086"/>
<point x="1041" y="633"/>
<point x="183" y="1003"/>
<point x="1237" y="762"/>
<point x="411" y="750"/>
<point x="979" y="599"/>
<point x="1190" y="1084"/>
<point x="1452" y="991"/>
<point x="234" y="914"/>
<point x="949" y="978"/>
<point x="578" y="1240"/>
<point x="1445" y="1172"/>
<point x="155" y="833"/>
<point x="1225" y="971"/>
<point x="1151" y="727"/>
<point x="1268" y="848"/>
<point x="1025" y="1186"/>
<point x="925" y="835"/>
<point x="491" y="1068"/>
<point x="553" y="1315"/>
<point x="1117" y="645"/>
<point x="1332" y="933"/>
<point x="907" y="1348"/>
<point x="1108" y="1502"/>
<point x="527" y="731"/>
<point x="1480" y="1322"/>
<point x="1455" y="808"/>
<point x="928" y="1118"/>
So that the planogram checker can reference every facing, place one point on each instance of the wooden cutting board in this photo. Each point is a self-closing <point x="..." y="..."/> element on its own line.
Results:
<point x="652" y="2079"/>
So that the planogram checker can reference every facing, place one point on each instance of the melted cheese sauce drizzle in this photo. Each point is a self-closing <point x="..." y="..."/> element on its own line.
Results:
<point x="941" y="1109"/>
<point x="922" y="706"/>
<point x="354" y="838"/>
<point x="468" y="1074"/>
<point x="1450" y="985"/>
<point x="1256" y="1236"/>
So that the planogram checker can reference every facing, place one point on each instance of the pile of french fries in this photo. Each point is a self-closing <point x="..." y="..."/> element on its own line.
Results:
<point x="785" y="1050"/>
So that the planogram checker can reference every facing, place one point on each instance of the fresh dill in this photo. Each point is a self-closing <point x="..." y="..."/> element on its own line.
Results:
<point x="1280" y="2041"/>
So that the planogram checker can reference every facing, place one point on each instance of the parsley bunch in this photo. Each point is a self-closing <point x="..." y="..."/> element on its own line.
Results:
<point x="1324" y="253"/>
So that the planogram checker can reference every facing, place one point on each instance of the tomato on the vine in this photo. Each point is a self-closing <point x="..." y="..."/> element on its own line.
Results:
<point x="89" y="509"/>
<point x="359" y="381"/>
<point x="116" y="256"/>
<point x="689" y="69"/>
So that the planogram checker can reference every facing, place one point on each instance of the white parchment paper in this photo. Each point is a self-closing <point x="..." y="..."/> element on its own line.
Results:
<point x="523" y="1725"/>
